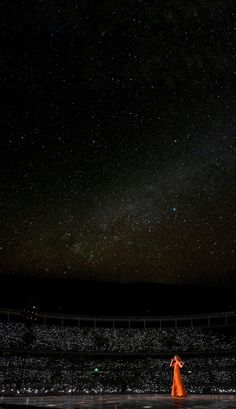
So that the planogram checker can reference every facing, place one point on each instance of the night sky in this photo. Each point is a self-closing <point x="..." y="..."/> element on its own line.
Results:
<point x="118" y="140"/>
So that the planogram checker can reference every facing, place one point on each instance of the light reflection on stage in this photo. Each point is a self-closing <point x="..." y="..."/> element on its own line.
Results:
<point x="121" y="402"/>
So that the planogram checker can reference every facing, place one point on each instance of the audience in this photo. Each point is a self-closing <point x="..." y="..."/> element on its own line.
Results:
<point x="55" y="362"/>
<point x="54" y="338"/>
<point x="42" y="375"/>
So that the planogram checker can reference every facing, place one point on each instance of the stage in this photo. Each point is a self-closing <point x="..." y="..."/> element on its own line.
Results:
<point x="121" y="402"/>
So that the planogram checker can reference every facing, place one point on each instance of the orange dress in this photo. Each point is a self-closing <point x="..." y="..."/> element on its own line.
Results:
<point x="178" y="389"/>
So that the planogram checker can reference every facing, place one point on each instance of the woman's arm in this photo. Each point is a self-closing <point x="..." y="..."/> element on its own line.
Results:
<point x="171" y="362"/>
<point x="181" y="364"/>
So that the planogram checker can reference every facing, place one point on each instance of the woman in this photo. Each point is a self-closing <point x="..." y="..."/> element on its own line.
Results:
<point x="178" y="389"/>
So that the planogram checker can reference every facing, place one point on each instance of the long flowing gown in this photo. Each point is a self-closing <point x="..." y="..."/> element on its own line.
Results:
<point x="178" y="389"/>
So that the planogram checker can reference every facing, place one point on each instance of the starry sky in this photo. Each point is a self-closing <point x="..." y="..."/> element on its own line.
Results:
<point x="118" y="140"/>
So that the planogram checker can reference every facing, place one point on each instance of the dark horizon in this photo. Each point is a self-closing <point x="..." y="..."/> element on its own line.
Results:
<point x="86" y="297"/>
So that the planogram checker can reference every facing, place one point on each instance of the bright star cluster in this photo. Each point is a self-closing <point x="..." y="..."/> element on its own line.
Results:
<point x="118" y="150"/>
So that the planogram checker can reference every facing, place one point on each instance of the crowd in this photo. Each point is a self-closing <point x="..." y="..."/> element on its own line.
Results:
<point x="55" y="338"/>
<point x="30" y="360"/>
<point x="45" y="375"/>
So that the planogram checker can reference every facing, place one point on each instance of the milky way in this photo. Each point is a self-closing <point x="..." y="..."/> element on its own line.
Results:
<point x="118" y="157"/>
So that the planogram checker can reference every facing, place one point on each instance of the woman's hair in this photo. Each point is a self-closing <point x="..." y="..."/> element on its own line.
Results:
<point x="178" y="357"/>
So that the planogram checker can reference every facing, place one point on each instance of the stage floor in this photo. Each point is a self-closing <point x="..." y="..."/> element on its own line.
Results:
<point x="122" y="402"/>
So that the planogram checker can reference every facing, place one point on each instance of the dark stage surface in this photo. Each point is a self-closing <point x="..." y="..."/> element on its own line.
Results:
<point x="123" y="401"/>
